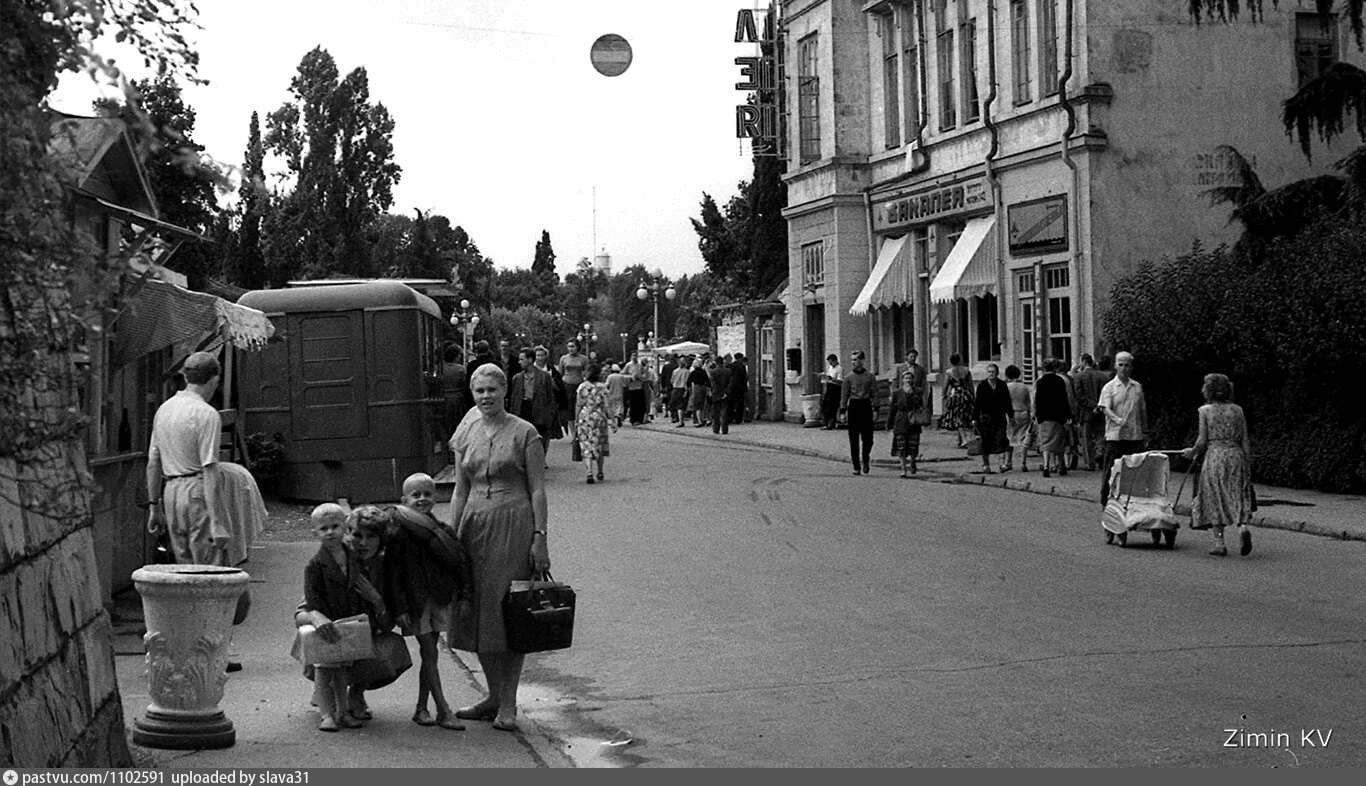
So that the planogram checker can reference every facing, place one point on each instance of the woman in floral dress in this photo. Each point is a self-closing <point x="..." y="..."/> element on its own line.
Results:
<point x="592" y="422"/>
<point x="1224" y="497"/>
<point x="958" y="400"/>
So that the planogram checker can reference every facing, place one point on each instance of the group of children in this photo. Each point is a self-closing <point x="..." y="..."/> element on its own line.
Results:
<point x="398" y="565"/>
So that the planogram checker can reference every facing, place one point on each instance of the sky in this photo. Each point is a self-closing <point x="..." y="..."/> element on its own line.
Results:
<point x="502" y="123"/>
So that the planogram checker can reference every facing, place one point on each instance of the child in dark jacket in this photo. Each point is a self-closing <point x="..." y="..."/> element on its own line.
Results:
<point x="336" y="586"/>
<point x="427" y="570"/>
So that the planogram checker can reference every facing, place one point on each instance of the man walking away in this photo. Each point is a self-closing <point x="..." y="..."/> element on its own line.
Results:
<point x="738" y="395"/>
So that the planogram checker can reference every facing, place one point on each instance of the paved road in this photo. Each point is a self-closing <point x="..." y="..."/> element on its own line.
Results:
<point x="741" y="607"/>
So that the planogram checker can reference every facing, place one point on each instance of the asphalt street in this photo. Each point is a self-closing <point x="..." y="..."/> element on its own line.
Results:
<point x="740" y="606"/>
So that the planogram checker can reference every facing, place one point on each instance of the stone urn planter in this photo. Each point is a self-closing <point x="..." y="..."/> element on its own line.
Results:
<point x="188" y="610"/>
<point x="811" y="411"/>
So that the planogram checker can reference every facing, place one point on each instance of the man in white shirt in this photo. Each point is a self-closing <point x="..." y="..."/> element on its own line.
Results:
<point x="185" y="436"/>
<point x="1126" y="418"/>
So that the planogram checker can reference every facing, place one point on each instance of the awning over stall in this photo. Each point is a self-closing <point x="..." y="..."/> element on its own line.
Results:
<point x="890" y="282"/>
<point x="970" y="269"/>
<point x="160" y="315"/>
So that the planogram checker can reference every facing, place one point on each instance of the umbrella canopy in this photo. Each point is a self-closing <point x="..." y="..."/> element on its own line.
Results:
<point x="684" y="348"/>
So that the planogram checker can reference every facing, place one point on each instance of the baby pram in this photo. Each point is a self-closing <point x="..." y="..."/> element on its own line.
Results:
<point x="1138" y="499"/>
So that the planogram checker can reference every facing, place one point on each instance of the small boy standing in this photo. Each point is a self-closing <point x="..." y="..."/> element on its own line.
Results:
<point x="329" y="594"/>
<point x="427" y="570"/>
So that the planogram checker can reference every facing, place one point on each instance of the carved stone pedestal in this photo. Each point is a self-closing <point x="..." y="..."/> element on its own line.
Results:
<point x="188" y="611"/>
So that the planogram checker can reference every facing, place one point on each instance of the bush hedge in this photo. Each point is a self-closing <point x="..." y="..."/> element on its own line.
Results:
<point x="1287" y="327"/>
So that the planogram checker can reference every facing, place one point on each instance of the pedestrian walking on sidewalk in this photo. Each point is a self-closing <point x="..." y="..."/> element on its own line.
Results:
<point x="958" y="400"/>
<point x="700" y="383"/>
<point x="1091" y="421"/>
<point x="499" y="508"/>
<point x="1021" y="420"/>
<point x="905" y="404"/>
<point x="832" y="389"/>
<point x="992" y="410"/>
<point x="1053" y="406"/>
<point x="856" y="403"/>
<point x="678" y="397"/>
<point x="719" y="376"/>
<point x="1224" y="496"/>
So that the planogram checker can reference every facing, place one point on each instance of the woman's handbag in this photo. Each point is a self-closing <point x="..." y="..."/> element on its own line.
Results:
<point x="538" y="615"/>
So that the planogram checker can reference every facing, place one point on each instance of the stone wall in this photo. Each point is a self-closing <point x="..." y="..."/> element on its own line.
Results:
<point x="59" y="698"/>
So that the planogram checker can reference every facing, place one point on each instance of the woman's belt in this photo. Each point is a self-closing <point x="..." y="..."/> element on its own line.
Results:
<point x="187" y="475"/>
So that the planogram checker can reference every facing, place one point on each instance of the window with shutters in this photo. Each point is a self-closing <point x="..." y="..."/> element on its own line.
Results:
<point x="1316" y="45"/>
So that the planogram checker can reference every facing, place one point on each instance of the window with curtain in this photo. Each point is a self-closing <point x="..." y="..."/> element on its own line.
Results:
<point x="891" y="87"/>
<point x="1019" y="41"/>
<point x="808" y="100"/>
<point x="948" y="97"/>
<point x="1048" y="47"/>
<point x="910" y="64"/>
<point x="972" y="110"/>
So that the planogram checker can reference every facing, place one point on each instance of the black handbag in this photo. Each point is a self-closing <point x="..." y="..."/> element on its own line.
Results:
<point x="538" y="615"/>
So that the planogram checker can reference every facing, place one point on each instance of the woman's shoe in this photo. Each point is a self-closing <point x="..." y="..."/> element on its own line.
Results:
<point x="505" y="723"/>
<point x="1245" y="542"/>
<point x="423" y="718"/>
<point x="328" y="723"/>
<point x="590" y="478"/>
<point x="1219" y="552"/>
<point x="348" y="722"/>
<point x="1045" y="471"/>
<point x="481" y="711"/>
<point x="449" y="722"/>
<point x="600" y="477"/>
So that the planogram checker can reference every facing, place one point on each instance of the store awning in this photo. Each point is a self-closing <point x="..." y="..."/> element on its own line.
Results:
<point x="970" y="269"/>
<point x="889" y="283"/>
<point x="160" y="315"/>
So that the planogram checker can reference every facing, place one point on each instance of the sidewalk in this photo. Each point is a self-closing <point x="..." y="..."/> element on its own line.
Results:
<point x="1330" y="515"/>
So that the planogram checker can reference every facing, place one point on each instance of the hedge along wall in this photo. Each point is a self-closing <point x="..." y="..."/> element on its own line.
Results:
<point x="1288" y="328"/>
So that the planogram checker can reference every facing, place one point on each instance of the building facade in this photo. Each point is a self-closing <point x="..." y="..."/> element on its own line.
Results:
<point x="971" y="177"/>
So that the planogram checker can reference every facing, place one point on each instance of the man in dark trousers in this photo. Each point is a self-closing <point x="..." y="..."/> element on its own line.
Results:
<point x="719" y="375"/>
<point x="738" y="395"/>
<point x="666" y="385"/>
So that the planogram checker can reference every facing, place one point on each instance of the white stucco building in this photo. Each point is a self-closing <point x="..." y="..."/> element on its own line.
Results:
<point x="971" y="176"/>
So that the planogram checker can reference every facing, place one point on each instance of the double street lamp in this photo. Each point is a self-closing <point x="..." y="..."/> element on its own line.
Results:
<point x="651" y="290"/>
<point x="459" y="320"/>
<point x="624" y="336"/>
<point x="587" y="338"/>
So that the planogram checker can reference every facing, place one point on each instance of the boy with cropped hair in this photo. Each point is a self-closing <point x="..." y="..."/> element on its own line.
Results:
<point x="427" y="570"/>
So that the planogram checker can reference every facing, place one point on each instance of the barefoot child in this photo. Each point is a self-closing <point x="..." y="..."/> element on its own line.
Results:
<point x="427" y="571"/>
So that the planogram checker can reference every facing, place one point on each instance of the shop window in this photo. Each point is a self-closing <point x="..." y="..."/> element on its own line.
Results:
<point x="808" y="100"/>
<point x="1316" y="45"/>
<point x="1019" y="40"/>
<point x="891" y="89"/>
<point x="1056" y="277"/>
<point x="988" y="338"/>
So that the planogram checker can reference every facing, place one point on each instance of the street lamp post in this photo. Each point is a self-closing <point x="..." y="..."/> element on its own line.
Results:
<point x="651" y="290"/>
<point x="465" y="321"/>
<point x="587" y="338"/>
<point x="624" y="336"/>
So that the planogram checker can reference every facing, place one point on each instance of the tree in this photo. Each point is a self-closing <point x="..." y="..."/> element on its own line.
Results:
<point x="249" y="264"/>
<point x="544" y="261"/>
<point x="337" y="150"/>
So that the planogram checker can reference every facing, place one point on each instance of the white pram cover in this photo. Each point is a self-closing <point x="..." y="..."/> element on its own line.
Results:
<point x="1138" y="494"/>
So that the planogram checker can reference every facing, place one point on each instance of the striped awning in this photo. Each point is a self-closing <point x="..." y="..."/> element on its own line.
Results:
<point x="161" y="314"/>
<point x="890" y="283"/>
<point x="970" y="269"/>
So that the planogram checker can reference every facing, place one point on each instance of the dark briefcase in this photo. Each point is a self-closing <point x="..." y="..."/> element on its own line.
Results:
<point x="538" y="615"/>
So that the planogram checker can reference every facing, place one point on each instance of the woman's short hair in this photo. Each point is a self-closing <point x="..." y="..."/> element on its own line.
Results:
<point x="832" y="358"/>
<point x="1217" y="387"/>
<point x="955" y="359"/>
<point x="594" y="372"/>
<point x="990" y="366"/>
<point x="1012" y="371"/>
<point x="538" y="349"/>
<point x="492" y="371"/>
